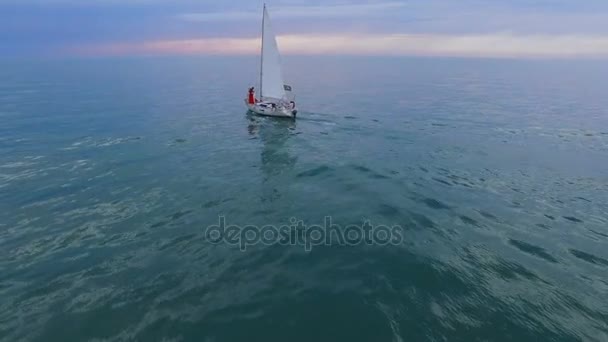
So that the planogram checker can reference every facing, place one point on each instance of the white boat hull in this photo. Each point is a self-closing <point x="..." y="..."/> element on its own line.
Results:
<point x="277" y="111"/>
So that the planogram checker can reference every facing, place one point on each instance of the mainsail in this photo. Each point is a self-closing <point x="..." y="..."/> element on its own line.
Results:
<point x="271" y="76"/>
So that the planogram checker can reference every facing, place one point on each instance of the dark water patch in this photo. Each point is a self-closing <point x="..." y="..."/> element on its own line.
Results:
<point x="573" y="219"/>
<point x="350" y="186"/>
<point x="543" y="226"/>
<point x="179" y="214"/>
<point x="488" y="215"/>
<point x="270" y="197"/>
<point x="377" y="175"/>
<point x="465" y="181"/>
<point x="371" y="174"/>
<point x="598" y="233"/>
<point x="466" y="185"/>
<point x="443" y="170"/>
<point x="510" y="270"/>
<point x="211" y="204"/>
<point x="550" y="217"/>
<point x="314" y="172"/>
<point x="532" y="249"/>
<point x="442" y="181"/>
<point x="470" y="221"/>
<point x="350" y="117"/>
<point x="159" y="224"/>
<point x="423" y="221"/>
<point x="456" y="177"/>
<point x="388" y="210"/>
<point x="435" y="204"/>
<point x="361" y="168"/>
<point x="179" y="140"/>
<point x="111" y="239"/>
<point x="375" y="120"/>
<point x="141" y="234"/>
<point x="423" y="169"/>
<point x="590" y="258"/>
<point x="583" y="199"/>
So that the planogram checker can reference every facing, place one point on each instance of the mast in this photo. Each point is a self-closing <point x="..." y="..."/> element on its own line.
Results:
<point x="262" y="54"/>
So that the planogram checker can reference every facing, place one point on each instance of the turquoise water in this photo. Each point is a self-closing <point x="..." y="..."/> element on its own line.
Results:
<point x="111" y="170"/>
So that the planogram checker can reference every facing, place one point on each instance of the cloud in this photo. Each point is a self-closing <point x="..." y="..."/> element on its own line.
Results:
<point x="293" y="12"/>
<point x="498" y="45"/>
<point x="495" y="16"/>
<point x="38" y="26"/>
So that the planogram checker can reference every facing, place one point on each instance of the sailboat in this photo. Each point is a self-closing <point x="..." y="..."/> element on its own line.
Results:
<point x="276" y="98"/>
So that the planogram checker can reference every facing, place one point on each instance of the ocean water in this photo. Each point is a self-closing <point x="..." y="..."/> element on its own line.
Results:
<point x="496" y="172"/>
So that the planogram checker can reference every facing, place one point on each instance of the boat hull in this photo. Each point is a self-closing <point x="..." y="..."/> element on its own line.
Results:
<point x="278" y="112"/>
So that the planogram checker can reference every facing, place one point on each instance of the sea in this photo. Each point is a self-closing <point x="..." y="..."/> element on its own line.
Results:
<point x="412" y="199"/>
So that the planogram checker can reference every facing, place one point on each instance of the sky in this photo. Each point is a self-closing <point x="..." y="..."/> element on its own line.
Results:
<point x="462" y="28"/>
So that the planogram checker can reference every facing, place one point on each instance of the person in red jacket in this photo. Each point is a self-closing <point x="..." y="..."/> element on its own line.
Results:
<point x="251" y="99"/>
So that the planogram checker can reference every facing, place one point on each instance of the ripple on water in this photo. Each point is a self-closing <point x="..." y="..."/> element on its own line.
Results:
<point x="368" y="172"/>
<point x="211" y="204"/>
<point x="388" y="211"/>
<point x="499" y="267"/>
<point x="423" y="221"/>
<point x="598" y="233"/>
<point x="442" y="181"/>
<point x="543" y="226"/>
<point x="435" y="204"/>
<point x="590" y="258"/>
<point x="179" y="214"/>
<point x="488" y="215"/>
<point x="470" y="221"/>
<point x="324" y="169"/>
<point x="573" y="219"/>
<point x="533" y="250"/>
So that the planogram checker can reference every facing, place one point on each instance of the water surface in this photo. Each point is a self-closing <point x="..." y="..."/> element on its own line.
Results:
<point x="111" y="169"/>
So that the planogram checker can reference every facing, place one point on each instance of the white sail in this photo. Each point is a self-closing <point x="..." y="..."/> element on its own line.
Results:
<point x="271" y="76"/>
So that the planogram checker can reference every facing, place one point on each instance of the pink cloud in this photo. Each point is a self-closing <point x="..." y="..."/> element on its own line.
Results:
<point x="500" y="45"/>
